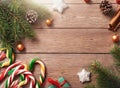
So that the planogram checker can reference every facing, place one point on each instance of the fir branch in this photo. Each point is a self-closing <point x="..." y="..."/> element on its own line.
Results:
<point x="116" y="54"/>
<point x="13" y="26"/>
<point x="105" y="78"/>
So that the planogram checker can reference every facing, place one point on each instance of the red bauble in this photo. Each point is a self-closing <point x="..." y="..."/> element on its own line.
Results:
<point x="87" y="1"/>
<point x="118" y="1"/>
<point x="20" y="47"/>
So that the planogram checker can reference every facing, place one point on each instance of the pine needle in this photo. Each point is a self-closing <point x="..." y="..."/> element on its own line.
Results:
<point x="116" y="54"/>
<point x="105" y="78"/>
<point x="13" y="26"/>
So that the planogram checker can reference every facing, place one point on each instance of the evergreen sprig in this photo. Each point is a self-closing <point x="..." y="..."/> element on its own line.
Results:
<point x="116" y="54"/>
<point x="13" y="24"/>
<point x="105" y="78"/>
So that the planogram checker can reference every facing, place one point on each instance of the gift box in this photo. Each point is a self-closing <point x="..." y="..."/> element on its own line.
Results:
<point x="60" y="83"/>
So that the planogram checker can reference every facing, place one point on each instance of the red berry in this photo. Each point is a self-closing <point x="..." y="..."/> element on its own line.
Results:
<point x="87" y="1"/>
<point x="118" y="1"/>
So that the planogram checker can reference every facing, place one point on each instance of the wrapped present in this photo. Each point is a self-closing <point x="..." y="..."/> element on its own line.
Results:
<point x="60" y="83"/>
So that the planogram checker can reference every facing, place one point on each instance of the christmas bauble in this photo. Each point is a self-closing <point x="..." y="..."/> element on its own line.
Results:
<point x="115" y="38"/>
<point x="20" y="47"/>
<point x="49" y="22"/>
<point x="118" y="1"/>
<point x="87" y="1"/>
<point x="31" y="16"/>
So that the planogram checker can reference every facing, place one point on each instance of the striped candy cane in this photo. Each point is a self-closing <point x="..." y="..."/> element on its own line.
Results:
<point x="16" y="72"/>
<point x="9" y="55"/>
<point x="5" y="72"/>
<point x="42" y="76"/>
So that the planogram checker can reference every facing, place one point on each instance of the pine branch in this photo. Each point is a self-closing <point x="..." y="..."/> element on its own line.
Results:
<point x="105" y="78"/>
<point x="4" y="26"/>
<point x="116" y="54"/>
<point x="13" y="26"/>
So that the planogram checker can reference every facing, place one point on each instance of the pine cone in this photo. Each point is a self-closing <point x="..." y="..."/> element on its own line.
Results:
<point x="31" y="16"/>
<point x="106" y="7"/>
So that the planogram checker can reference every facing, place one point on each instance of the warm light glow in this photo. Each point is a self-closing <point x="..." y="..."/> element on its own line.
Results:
<point x="114" y="37"/>
<point x="36" y="1"/>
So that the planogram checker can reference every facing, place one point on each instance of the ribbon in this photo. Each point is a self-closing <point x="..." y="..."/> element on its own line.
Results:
<point x="56" y="83"/>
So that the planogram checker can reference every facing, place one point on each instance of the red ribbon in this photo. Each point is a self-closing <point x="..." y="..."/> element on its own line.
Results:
<point x="56" y="83"/>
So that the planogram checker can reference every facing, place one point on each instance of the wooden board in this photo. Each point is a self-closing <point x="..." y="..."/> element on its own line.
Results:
<point x="77" y="38"/>
<point x="70" y="41"/>
<point x="83" y="17"/>
<point x="73" y="1"/>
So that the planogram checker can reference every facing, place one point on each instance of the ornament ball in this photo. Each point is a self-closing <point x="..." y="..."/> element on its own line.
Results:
<point x="87" y="1"/>
<point x="115" y="38"/>
<point x="118" y="1"/>
<point x="20" y="47"/>
<point x="49" y="22"/>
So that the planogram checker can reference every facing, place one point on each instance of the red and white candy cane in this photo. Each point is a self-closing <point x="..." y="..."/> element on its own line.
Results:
<point x="42" y="76"/>
<point x="16" y="72"/>
<point x="9" y="55"/>
<point x="5" y="72"/>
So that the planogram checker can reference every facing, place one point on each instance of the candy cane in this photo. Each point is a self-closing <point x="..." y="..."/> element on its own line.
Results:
<point x="24" y="72"/>
<point x="9" y="55"/>
<point x="2" y="55"/>
<point x="42" y="76"/>
<point x="22" y="83"/>
<point x="5" y="72"/>
<point x="13" y="85"/>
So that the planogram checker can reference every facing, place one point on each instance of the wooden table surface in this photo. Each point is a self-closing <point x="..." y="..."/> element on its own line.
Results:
<point x="77" y="38"/>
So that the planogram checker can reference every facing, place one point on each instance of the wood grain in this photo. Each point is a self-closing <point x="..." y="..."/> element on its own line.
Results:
<point x="70" y="41"/>
<point x="78" y="16"/>
<point x="67" y="65"/>
<point x="73" y="1"/>
<point x="77" y="38"/>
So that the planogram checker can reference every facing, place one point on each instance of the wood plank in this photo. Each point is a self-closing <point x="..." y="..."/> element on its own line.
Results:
<point x="78" y="16"/>
<point x="72" y="1"/>
<point x="70" y="41"/>
<point x="66" y="65"/>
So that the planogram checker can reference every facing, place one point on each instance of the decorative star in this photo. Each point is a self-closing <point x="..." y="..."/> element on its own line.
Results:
<point x="59" y="5"/>
<point x="84" y="76"/>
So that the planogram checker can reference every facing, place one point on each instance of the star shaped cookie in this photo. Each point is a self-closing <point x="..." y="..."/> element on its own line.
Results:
<point x="84" y="76"/>
<point x="60" y="6"/>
